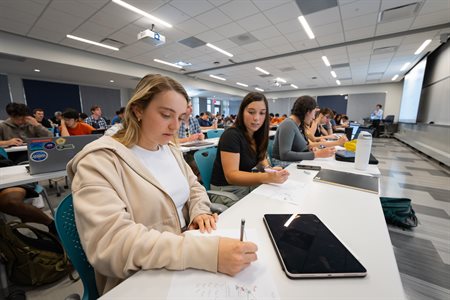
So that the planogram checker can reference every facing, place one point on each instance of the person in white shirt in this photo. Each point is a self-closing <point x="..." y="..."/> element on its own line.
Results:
<point x="376" y="116"/>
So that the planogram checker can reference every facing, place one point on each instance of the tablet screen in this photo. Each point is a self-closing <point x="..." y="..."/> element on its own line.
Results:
<point x="307" y="248"/>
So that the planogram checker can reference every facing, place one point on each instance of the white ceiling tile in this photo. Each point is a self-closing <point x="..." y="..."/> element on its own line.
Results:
<point x="295" y="37"/>
<point x="83" y="10"/>
<point x="229" y="30"/>
<point x="192" y="27"/>
<point x="218" y="2"/>
<point x="14" y="26"/>
<point x="290" y="26"/>
<point x="388" y="42"/>
<point x="91" y="30"/>
<point x="254" y="22"/>
<point x="326" y="16"/>
<point x="267" y="4"/>
<point x="328" y="29"/>
<point x="213" y="18"/>
<point x="225" y="44"/>
<point x="360" y="33"/>
<point x="283" y="13"/>
<point x="436" y="18"/>
<point x="272" y="42"/>
<point x="210" y="36"/>
<point x="238" y="9"/>
<point x="395" y="26"/>
<point x="31" y="8"/>
<point x="305" y="44"/>
<point x="126" y="35"/>
<point x="47" y="34"/>
<point x="359" y="8"/>
<point x="265" y="33"/>
<point x="192" y="7"/>
<point x="431" y="6"/>
<point x="17" y="15"/>
<point x="377" y="68"/>
<point x="254" y="46"/>
<point x="360" y="21"/>
<point x="282" y="48"/>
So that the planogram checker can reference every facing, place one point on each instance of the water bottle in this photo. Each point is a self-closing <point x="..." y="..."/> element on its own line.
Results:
<point x="56" y="132"/>
<point x="363" y="149"/>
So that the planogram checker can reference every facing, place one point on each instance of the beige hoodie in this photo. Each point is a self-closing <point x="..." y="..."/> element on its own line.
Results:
<point x="125" y="219"/>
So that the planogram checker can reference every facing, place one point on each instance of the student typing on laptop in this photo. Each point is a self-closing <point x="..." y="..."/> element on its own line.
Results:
<point x="130" y="214"/>
<point x="70" y="125"/>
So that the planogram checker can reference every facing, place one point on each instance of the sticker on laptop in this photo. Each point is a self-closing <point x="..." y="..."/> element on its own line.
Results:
<point x="65" y="147"/>
<point x="36" y="146"/>
<point x="49" y="146"/>
<point x="60" y="141"/>
<point x="39" y="156"/>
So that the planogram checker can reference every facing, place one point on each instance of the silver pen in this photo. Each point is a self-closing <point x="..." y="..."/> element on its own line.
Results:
<point x="242" y="229"/>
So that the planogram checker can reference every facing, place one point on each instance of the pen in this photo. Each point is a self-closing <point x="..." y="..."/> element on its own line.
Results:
<point x="242" y="229"/>
<point x="268" y="170"/>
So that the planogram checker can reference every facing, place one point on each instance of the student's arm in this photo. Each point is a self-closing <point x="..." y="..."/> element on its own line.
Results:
<point x="63" y="129"/>
<point x="286" y="137"/>
<point x="11" y="142"/>
<point x="38" y="129"/>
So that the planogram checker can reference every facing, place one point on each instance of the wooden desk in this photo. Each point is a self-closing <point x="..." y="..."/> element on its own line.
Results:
<point x="355" y="217"/>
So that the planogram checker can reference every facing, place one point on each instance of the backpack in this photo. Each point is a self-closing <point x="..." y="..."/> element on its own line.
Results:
<point x="29" y="260"/>
<point x="399" y="212"/>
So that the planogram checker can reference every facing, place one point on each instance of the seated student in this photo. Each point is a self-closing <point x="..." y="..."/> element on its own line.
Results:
<point x="134" y="196"/>
<point x="190" y="130"/>
<point x="12" y="202"/>
<point x="319" y="130"/>
<point x="38" y="114"/>
<point x="19" y="126"/>
<point x="290" y="143"/>
<point x="70" y="124"/>
<point x="118" y="117"/>
<point x="205" y="123"/>
<point x="242" y="148"/>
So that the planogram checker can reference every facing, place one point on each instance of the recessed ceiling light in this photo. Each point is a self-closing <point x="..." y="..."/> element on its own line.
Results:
<point x="111" y="81"/>
<point x="280" y="80"/>
<point x="262" y="70"/>
<point x="333" y="73"/>
<point x="403" y="68"/>
<point x="326" y="61"/>
<point x="219" y="49"/>
<point x="167" y="63"/>
<point x="141" y="12"/>
<point x="294" y="86"/>
<point x="242" y="84"/>
<point x="338" y="82"/>
<point x="217" y="77"/>
<point x="37" y="70"/>
<point x="306" y="27"/>
<point x="422" y="47"/>
<point x="183" y="63"/>
<point x="395" y="77"/>
<point x="91" y="42"/>
<point x="258" y="89"/>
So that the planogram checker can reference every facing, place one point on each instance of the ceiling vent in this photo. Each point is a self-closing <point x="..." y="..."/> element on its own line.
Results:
<point x="192" y="42"/>
<point x="112" y="42"/>
<point x="384" y="50"/>
<point x="339" y="66"/>
<point x="399" y="12"/>
<point x="243" y="39"/>
<point x="265" y="75"/>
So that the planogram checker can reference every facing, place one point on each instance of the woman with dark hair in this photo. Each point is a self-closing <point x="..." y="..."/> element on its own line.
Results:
<point x="291" y="143"/>
<point x="242" y="148"/>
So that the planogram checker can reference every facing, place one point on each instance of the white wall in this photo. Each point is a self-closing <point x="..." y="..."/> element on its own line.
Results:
<point x="359" y="106"/>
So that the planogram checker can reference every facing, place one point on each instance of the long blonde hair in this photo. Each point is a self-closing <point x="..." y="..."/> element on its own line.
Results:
<point x="149" y="86"/>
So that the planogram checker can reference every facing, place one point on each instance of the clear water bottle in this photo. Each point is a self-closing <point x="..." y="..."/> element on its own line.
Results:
<point x="363" y="149"/>
<point x="56" y="131"/>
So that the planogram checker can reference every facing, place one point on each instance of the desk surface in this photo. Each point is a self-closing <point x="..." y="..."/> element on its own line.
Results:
<point x="17" y="175"/>
<point x="355" y="217"/>
<point x="16" y="148"/>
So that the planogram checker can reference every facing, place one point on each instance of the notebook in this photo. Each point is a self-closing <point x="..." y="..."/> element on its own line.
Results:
<point x="349" y="156"/>
<point x="306" y="248"/>
<point x="360" y="182"/>
<point x="52" y="154"/>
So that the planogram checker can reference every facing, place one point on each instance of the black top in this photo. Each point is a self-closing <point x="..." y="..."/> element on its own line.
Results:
<point x="233" y="140"/>
<point x="46" y="123"/>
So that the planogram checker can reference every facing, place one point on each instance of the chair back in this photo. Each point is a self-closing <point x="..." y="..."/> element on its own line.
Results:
<point x="389" y="119"/>
<point x="214" y="133"/>
<point x="67" y="231"/>
<point x="204" y="159"/>
<point x="3" y="152"/>
<point x="270" y="149"/>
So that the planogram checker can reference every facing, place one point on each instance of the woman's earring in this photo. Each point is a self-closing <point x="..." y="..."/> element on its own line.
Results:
<point x="139" y="120"/>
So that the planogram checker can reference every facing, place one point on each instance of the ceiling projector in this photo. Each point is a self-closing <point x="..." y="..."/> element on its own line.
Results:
<point x="151" y="37"/>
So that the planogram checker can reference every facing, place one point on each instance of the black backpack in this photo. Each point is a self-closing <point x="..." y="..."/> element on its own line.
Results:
<point x="399" y="212"/>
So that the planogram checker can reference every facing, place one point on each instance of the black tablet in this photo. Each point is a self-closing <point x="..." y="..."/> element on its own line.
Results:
<point x="308" y="249"/>
<point x="363" y="183"/>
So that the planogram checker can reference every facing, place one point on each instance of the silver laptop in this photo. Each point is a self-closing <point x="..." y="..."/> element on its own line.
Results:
<point x="53" y="153"/>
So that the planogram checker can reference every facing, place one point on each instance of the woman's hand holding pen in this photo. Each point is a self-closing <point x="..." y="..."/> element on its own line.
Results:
<point x="234" y="255"/>
<point x="275" y="175"/>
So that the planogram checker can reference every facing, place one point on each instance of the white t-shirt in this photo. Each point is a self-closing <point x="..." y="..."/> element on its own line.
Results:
<point x="164" y="167"/>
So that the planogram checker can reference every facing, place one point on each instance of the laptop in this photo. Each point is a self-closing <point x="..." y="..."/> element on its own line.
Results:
<point x="308" y="249"/>
<point x="53" y="153"/>
<point x="349" y="156"/>
<point x="363" y="183"/>
<point x="354" y="132"/>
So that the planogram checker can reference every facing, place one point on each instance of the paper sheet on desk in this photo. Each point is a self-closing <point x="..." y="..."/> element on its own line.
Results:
<point x="290" y="191"/>
<point x="254" y="282"/>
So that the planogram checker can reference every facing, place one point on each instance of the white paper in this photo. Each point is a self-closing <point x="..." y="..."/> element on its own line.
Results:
<point x="291" y="191"/>
<point x="253" y="283"/>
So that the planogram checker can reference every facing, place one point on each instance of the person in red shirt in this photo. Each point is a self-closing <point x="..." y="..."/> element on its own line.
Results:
<point x="71" y="126"/>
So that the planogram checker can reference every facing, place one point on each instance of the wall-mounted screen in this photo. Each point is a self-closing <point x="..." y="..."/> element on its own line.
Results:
<point x="412" y="88"/>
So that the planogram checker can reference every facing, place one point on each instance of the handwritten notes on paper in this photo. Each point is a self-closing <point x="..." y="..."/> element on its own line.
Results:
<point x="290" y="191"/>
<point x="253" y="283"/>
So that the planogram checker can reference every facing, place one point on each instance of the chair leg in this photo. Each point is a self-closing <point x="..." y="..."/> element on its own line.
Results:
<point x="50" y="184"/>
<point x="45" y="196"/>
<point x="3" y="280"/>
<point x="66" y="186"/>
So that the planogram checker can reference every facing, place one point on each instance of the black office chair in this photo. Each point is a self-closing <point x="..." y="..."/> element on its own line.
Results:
<point x="388" y="123"/>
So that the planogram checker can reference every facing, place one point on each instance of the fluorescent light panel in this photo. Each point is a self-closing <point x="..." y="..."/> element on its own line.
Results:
<point x="333" y="73"/>
<point x="258" y="89"/>
<point x="167" y="63"/>
<point x="141" y="12"/>
<point x="395" y="77"/>
<point x="242" y="84"/>
<point x="280" y="80"/>
<point x="306" y="27"/>
<point x="262" y="70"/>
<point x="217" y="77"/>
<point x="220" y="50"/>
<point x="91" y="42"/>
<point x="294" y="86"/>
<point x="422" y="47"/>
<point x="338" y="82"/>
<point x="326" y="61"/>
<point x="403" y="68"/>
<point x="37" y="70"/>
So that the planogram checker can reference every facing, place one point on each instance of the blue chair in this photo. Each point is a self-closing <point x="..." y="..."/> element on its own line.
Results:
<point x="204" y="159"/>
<point x="270" y="150"/>
<point x="214" y="133"/>
<point x="67" y="231"/>
<point x="3" y="152"/>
